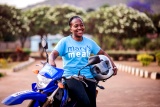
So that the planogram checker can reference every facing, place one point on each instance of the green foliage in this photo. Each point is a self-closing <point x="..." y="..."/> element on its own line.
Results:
<point x="156" y="21"/>
<point x="158" y="58"/>
<point x="59" y="16"/>
<point x="1" y="75"/>
<point x="153" y="44"/>
<point x="119" y="21"/>
<point x="27" y="51"/>
<point x="11" y="23"/>
<point x="109" y="43"/>
<point x="37" y="20"/>
<point x="145" y="59"/>
<point x="135" y="43"/>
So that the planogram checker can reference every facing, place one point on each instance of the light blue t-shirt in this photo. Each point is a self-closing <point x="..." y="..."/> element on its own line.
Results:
<point x="75" y="55"/>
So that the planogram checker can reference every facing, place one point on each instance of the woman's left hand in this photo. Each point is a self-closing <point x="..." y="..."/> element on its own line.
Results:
<point x="115" y="69"/>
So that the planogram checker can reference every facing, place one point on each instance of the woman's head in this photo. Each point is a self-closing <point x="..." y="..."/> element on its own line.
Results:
<point x="76" y="26"/>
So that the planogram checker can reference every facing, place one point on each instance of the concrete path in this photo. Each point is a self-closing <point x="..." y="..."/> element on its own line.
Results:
<point x="122" y="90"/>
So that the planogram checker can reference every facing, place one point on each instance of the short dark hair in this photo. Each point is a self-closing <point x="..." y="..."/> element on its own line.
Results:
<point x="73" y="17"/>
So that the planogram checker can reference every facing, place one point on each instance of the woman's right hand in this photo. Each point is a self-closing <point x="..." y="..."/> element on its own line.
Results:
<point x="52" y="63"/>
<point x="54" y="54"/>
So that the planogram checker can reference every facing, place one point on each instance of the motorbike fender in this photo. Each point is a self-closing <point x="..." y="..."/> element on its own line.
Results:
<point x="19" y="97"/>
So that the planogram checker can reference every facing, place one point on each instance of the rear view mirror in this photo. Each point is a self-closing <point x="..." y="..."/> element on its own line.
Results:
<point x="44" y="43"/>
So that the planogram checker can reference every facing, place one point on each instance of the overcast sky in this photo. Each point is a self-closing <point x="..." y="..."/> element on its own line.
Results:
<point x="20" y="3"/>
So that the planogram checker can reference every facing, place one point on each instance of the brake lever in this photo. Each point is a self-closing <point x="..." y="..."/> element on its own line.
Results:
<point x="101" y="87"/>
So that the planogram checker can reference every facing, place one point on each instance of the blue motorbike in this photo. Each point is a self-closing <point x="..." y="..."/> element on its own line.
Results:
<point x="50" y="89"/>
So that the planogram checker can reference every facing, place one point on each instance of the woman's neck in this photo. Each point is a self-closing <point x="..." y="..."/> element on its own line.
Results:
<point x="77" y="38"/>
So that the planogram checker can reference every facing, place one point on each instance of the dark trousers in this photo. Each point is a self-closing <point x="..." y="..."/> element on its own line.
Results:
<point x="85" y="96"/>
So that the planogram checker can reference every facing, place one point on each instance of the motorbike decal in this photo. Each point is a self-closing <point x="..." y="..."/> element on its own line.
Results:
<point x="19" y="97"/>
<point x="51" y="72"/>
<point x="21" y="92"/>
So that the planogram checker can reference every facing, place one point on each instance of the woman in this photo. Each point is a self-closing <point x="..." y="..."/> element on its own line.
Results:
<point x="75" y="50"/>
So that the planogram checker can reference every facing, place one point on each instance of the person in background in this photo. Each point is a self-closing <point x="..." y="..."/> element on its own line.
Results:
<point x="75" y="50"/>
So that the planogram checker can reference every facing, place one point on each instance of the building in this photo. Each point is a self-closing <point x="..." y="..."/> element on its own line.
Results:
<point x="35" y="42"/>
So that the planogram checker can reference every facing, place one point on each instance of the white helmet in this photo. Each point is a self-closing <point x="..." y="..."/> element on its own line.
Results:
<point x="102" y="70"/>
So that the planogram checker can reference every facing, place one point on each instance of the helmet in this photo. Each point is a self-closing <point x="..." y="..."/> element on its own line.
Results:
<point x="102" y="70"/>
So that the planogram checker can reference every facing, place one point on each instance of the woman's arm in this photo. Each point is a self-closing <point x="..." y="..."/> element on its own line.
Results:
<point x="53" y="55"/>
<point x="102" y="52"/>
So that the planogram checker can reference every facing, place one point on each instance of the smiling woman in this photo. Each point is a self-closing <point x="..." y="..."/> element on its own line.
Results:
<point x="20" y="3"/>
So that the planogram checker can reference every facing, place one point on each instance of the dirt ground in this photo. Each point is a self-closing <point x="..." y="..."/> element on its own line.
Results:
<point x="122" y="90"/>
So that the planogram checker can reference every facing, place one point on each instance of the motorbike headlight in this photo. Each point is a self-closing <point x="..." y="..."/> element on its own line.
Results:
<point x="42" y="81"/>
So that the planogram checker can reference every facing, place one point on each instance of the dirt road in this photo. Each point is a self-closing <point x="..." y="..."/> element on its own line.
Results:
<point x="122" y="90"/>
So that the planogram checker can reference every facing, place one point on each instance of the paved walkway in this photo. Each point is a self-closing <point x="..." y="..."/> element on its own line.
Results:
<point x="135" y="68"/>
<point x="122" y="90"/>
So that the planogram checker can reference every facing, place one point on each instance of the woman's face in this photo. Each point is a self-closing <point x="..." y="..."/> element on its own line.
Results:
<point x="77" y="27"/>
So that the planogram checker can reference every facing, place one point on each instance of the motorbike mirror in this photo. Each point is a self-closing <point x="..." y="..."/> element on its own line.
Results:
<point x="93" y="60"/>
<point x="44" y="43"/>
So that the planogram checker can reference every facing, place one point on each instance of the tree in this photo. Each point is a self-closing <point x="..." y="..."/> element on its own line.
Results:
<point x="38" y="21"/>
<point x="25" y="30"/>
<point x="156" y="21"/>
<point x="59" y="16"/>
<point x="119" y="21"/>
<point x="10" y="21"/>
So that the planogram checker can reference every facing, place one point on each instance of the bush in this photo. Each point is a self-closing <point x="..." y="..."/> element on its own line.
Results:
<point x="154" y="44"/>
<point x="27" y="51"/>
<point x="1" y="75"/>
<point x="135" y="43"/>
<point x="158" y="58"/>
<point x="126" y="43"/>
<point x="145" y="59"/>
<point x="3" y="63"/>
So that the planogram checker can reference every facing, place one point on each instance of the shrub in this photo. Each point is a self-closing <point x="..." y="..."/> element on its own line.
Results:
<point x="126" y="43"/>
<point x="145" y="59"/>
<point x="3" y="63"/>
<point x="1" y="75"/>
<point x="158" y="58"/>
<point x="27" y="51"/>
<point x="154" y="44"/>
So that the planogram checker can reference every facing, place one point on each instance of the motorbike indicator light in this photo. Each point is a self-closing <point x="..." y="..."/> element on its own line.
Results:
<point x="60" y="85"/>
<point x="36" y="71"/>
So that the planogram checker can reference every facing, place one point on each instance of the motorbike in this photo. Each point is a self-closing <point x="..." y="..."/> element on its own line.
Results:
<point x="50" y="90"/>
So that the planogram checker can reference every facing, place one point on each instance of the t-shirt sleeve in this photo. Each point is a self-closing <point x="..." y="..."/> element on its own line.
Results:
<point x="60" y="46"/>
<point x="95" y="48"/>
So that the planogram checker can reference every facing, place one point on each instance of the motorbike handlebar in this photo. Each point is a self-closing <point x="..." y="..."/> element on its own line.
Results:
<point x="82" y="78"/>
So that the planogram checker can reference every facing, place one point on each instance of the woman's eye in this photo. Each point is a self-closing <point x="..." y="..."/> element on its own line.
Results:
<point x="76" y="26"/>
<point x="82" y="25"/>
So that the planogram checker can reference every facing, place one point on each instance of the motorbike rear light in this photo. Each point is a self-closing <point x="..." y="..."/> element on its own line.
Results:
<point x="36" y="71"/>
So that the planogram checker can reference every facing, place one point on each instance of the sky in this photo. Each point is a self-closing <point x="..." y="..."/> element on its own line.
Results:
<point x="20" y="3"/>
